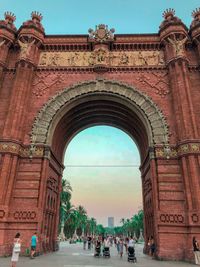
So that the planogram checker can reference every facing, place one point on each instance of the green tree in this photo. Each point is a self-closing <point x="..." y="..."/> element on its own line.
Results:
<point x="100" y="230"/>
<point x="65" y="204"/>
<point x="81" y="219"/>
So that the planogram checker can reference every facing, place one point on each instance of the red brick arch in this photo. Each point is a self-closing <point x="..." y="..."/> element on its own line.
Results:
<point x="150" y="114"/>
<point x="147" y="85"/>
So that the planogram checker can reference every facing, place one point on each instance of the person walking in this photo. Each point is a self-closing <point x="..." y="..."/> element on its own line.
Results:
<point x="84" y="242"/>
<point x="117" y="243"/>
<point x="16" y="250"/>
<point x="126" y="244"/>
<point x="89" y="240"/>
<point x="121" y="247"/>
<point x="34" y="241"/>
<point x="196" y="251"/>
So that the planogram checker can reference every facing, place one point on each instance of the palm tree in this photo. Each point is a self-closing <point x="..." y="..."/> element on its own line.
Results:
<point x="65" y="205"/>
<point x="81" y="218"/>
<point x="100" y="230"/>
<point x="92" y="225"/>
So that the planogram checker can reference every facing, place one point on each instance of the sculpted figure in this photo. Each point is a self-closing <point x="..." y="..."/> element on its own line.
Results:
<point x="101" y="56"/>
<point x="73" y="59"/>
<point x="43" y="60"/>
<point x="124" y="60"/>
<point x="112" y="59"/>
<point x="178" y="45"/>
<point x="54" y="59"/>
<point x="142" y="59"/>
<point x="91" y="59"/>
<point x="25" y="48"/>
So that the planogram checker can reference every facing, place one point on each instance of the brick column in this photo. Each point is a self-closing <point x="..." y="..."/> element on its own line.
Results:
<point x="29" y="38"/>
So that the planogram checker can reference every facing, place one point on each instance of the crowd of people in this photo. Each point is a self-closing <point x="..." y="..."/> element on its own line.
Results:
<point x="100" y="244"/>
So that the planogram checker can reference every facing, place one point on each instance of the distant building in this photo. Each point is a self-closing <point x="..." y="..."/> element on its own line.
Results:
<point x="110" y="222"/>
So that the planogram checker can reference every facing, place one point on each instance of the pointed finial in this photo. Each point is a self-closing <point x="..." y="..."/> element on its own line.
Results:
<point x="36" y="16"/>
<point x="9" y="16"/>
<point x="196" y="13"/>
<point x="168" y="13"/>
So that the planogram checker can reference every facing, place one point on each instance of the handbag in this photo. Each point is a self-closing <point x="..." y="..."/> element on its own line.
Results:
<point x="17" y="247"/>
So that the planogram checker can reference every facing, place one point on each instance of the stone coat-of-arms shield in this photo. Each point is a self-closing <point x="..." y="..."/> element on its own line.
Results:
<point x="101" y="34"/>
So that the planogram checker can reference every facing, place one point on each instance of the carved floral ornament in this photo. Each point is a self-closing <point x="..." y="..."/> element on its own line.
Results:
<point x="150" y="111"/>
<point x="101" y="56"/>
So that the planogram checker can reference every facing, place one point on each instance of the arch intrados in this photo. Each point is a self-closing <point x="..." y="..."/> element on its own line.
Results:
<point x="90" y="98"/>
<point x="122" y="117"/>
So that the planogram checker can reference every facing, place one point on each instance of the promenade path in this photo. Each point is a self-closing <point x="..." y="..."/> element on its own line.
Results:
<point x="74" y="256"/>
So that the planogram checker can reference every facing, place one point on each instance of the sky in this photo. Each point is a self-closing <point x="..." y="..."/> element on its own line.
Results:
<point x="76" y="17"/>
<point x="104" y="191"/>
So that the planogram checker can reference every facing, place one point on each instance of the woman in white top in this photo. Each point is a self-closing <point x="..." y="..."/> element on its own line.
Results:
<point x="16" y="250"/>
<point x="106" y="243"/>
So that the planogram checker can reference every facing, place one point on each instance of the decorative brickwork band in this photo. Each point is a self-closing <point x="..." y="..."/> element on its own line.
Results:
<point x="24" y="215"/>
<point x="172" y="218"/>
<point x="173" y="152"/>
<point x="23" y="151"/>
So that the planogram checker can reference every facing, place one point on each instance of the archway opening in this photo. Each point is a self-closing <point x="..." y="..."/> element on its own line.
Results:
<point x="104" y="103"/>
<point x="102" y="166"/>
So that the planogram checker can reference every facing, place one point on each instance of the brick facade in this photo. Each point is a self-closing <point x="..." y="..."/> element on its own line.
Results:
<point x="52" y="87"/>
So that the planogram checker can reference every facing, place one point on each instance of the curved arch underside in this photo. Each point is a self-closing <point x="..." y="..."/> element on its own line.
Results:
<point x="95" y="111"/>
<point x="96" y="103"/>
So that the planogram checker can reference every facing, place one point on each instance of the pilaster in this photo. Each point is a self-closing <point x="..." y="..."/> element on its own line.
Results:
<point x="7" y="38"/>
<point x="29" y="39"/>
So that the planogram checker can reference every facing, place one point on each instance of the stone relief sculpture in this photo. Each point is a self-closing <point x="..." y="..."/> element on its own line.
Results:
<point x="124" y="59"/>
<point x="25" y="48"/>
<point x="102" y="56"/>
<point x="178" y="45"/>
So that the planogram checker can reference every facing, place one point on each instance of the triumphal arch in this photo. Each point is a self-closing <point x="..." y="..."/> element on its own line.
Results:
<point x="53" y="86"/>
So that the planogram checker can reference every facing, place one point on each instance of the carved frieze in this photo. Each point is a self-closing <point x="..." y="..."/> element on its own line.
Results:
<point x="23" y="151"/>
<point x="189" y="148"/>
<point x="101" y="56"/>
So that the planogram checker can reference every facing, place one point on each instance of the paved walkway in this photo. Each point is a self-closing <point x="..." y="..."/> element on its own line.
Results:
<point x="74" y="256"/>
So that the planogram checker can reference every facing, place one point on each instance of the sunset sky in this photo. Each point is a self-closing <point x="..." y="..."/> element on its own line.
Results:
<point x="103" y="191"/>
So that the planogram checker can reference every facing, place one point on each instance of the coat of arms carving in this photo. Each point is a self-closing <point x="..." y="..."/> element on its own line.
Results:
<point x="101" y="34"/>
